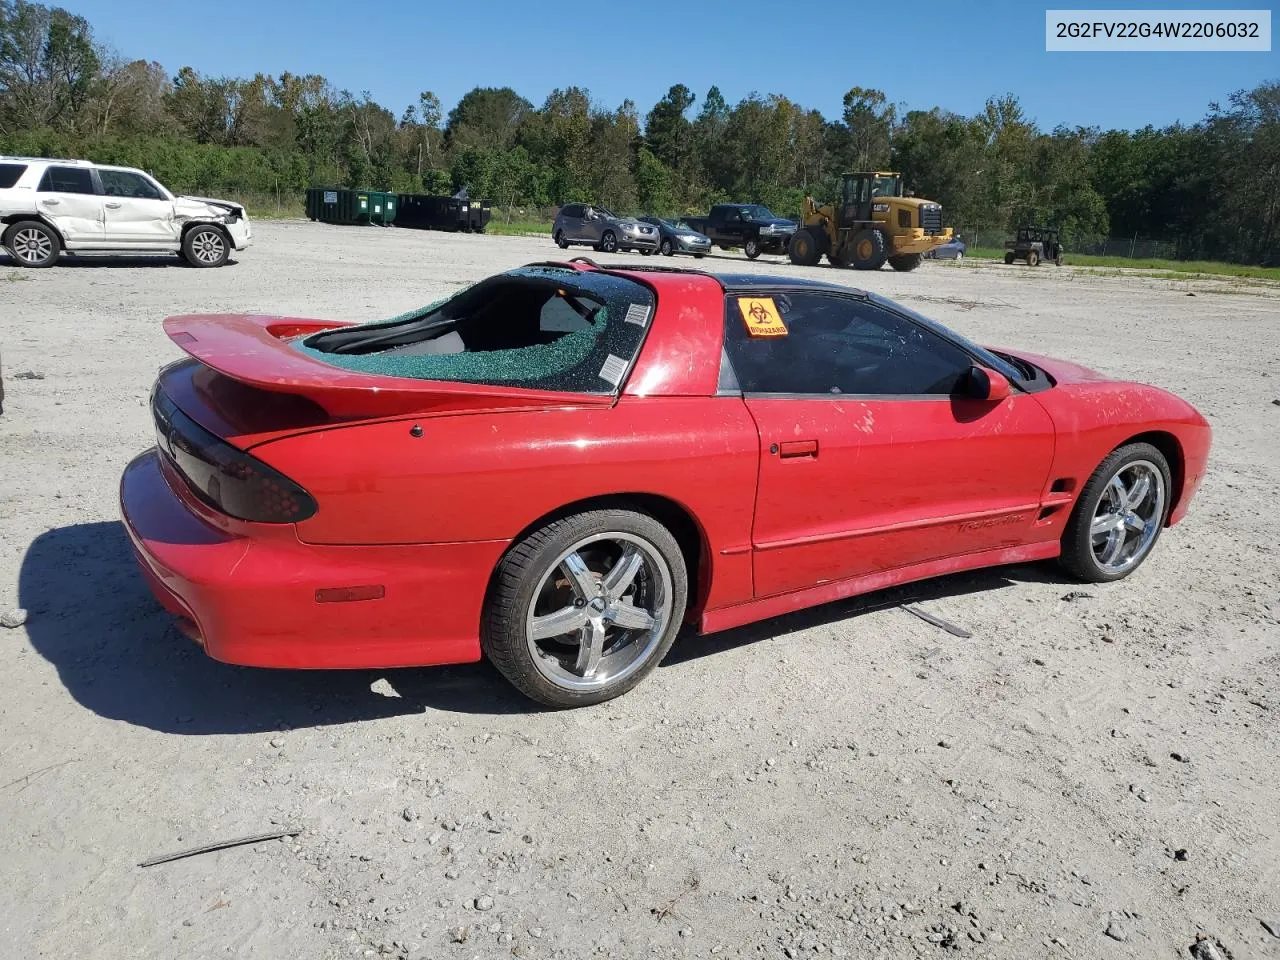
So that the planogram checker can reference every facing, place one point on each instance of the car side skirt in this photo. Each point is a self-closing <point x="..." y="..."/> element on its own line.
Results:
<point x="740" y="614"/>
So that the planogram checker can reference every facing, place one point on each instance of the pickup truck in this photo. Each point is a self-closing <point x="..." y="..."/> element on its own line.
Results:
<point x="747" y="225"/>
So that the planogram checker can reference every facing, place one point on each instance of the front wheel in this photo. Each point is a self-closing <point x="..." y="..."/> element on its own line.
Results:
<point x="609" y="242"/>
<point x="586" y="607"/>
<point x="751" y="248"/>
<point x="32" y="244"/>
<point x="803" y="249"/>
<point x="1033" y="259"/>
<point x="667" y="249"/>
<point x="1119" y="515"/>
<point x="205" y="246"/>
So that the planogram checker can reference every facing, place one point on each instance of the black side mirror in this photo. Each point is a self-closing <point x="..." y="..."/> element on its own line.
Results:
<point x="982" y="383"/>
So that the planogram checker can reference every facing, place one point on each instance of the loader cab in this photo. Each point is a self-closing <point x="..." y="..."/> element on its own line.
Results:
<point x="860" y="191"/>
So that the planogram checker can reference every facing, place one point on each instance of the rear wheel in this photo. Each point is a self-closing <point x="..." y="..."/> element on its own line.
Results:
<point x="1119" y="515"/>
<point x="751" y="248"/>
<point x="803" y="249"/>
<point x="205" y="246"/>
<point x="561" y="242"/>
<point x="1008" y="258"/>
<point x="609" y="242"/>
<point x="32" y="244"/>
<point x="906" y="262"/>
<point x="667" y="249"/>
<point x="586" y="607"/>
<point x="870" y="249"/>
<point x="1033" y="259"/>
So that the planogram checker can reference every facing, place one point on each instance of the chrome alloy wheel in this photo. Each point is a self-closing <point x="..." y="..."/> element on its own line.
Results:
<point x="1128" y="516"/>
<point x="599" y="611"/>
<point x="208" y="246"/>
<point x="32" y="246"/>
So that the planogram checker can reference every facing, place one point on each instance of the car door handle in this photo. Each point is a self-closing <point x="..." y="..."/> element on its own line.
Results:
<point x="51" y="201"/>
<point x="113" y="205"/>
<point x="789" y="449"/>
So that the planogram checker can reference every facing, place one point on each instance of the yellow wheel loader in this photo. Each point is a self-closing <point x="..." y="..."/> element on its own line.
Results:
<point x="874" y="222"/>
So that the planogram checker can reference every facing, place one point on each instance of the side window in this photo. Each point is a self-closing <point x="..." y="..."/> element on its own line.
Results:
<point x="733" y="215"/>
<point x="122" y="183"/>
<point x="9" y="174"/>
<point x="66" y="180"/>
<point x="572" y="210"/>
<point x="836" y="345"/>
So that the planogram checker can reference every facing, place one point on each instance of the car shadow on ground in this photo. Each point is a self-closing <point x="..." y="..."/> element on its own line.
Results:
<point x="692" y="647"/>
<point x="118" y="262"/>
<point x="118" y="653"/>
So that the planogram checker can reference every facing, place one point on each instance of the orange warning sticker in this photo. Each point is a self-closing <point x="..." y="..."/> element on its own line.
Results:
<point x="761" y="316"/>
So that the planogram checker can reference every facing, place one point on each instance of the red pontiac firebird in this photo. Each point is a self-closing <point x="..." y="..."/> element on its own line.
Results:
<point x="559" y="466"/>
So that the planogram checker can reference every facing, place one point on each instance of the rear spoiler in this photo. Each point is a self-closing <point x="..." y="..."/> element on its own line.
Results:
<point x="256" y="350"/>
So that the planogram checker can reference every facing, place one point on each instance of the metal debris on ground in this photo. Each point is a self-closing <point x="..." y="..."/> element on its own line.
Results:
<point x="1077" y="595"/>
<point x="223" y="845"/>
<point x="28" y="375"/>
<point x="951" y="628"/>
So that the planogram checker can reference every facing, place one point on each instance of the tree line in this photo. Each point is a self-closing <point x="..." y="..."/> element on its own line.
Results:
<point x="1212" y="187"/>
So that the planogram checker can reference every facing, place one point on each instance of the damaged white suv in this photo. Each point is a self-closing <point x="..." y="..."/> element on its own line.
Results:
<point x="51" y="206"/>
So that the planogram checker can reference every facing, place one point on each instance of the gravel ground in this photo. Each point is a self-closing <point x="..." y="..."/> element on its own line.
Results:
<point x="1093" y="774"/>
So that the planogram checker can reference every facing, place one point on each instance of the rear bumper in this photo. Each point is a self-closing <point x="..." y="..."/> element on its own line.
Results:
<point x="250" y="598"/>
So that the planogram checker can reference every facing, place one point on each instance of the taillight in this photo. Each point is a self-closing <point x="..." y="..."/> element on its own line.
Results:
<point x="227" y="479"/>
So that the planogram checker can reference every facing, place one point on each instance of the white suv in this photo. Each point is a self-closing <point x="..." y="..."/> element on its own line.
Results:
<point x="48" y="206"/>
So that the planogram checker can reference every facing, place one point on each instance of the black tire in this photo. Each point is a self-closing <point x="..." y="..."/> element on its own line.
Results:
<point x="1078" y="557"/>
<point x="205" y="245"/>
<point x="751" y="248"/>
<point x="503" y="635"/>
<point x="1008" y="258"/>
<point x="698" y="256"/>
<point x="667" y="249"/>
<point x="869" y="249"/>
<point x="803" y="249"/>
<point x="32" y="243"/>
<point x="561" y="242"/>
<point x="609" y="242"/>
<point x="906" y="262"/>
<point x="1033" y="259"/>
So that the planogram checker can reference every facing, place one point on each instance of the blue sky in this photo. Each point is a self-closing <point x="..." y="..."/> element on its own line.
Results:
<point x="922" y="54"/>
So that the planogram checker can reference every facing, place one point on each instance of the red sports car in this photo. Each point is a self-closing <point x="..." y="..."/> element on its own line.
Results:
<point x="559" y="466"/>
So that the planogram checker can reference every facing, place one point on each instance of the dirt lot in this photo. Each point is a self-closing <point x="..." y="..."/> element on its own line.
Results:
<point x="849" y="780"/>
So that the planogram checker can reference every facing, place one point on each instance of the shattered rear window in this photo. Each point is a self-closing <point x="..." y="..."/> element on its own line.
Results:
<point x="537" y="327"/>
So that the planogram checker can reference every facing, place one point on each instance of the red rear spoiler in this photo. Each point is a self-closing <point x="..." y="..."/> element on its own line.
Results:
<point x="255" y="350"/>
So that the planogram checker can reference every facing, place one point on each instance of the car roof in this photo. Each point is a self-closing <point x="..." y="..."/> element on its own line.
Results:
<point x="729" y="282"/>
<point x="5" y="158"/>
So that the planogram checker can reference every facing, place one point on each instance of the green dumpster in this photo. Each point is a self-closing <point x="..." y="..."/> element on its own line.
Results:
<point x="340" y="205"/>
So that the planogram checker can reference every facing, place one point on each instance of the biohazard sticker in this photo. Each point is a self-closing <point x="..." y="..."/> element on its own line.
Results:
<point x="613" y="369"/>
<point x="638" y="314"/>
<point x="761" y="316"/>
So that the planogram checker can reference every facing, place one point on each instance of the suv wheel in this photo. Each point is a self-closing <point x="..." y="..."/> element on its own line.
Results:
<point x="205" y="246"/>
<point x="751" y="248"/>
<point x="666" y="248"/>
<point x="561" y="242"/>
<point x="32" y="244"/>
<point x="609" y="242"/>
